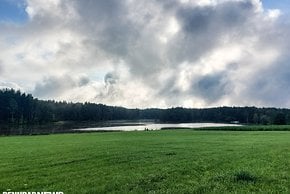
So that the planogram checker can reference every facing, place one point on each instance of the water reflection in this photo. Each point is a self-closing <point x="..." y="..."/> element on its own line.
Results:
<point x="153" y="126"/>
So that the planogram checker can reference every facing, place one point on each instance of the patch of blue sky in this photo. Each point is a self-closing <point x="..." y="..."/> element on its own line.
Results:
<point x="13" y="11"/>
<point x="283" y="5"/>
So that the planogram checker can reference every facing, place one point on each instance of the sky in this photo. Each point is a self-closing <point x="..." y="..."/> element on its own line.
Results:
<point x="148" y="53"/>
<point x="13" y="11"/>
<point x="283" y="5"/>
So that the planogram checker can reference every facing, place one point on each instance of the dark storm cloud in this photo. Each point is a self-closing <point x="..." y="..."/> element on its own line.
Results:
<point x="53" y="86"/>
<point x="203" y="28"/>
<point x="110" y="79"/>
<point x="197" y="20"/>
<point x="83" y="81"/>
<point x="211" y="87"/>
<point x="105" y="25"/>
<point x="235" y="13"/>
<point x="58" y="85"/>
<point x="270" y="86"/>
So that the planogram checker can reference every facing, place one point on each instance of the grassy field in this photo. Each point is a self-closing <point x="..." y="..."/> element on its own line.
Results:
<point x="171" y="161"/>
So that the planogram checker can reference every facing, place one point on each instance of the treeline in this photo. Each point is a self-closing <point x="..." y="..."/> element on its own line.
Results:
<point x="23" y="109"/>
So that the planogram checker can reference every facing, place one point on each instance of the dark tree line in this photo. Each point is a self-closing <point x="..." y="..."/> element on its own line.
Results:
<point x="22" y="109"/>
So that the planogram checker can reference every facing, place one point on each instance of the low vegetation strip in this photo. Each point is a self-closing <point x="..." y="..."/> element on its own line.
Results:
<point x="169" y="161"/>
<point x="248" y="128"/>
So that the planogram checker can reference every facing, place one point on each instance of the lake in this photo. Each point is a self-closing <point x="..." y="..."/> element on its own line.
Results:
<point x="117" y="125"/>
<point x="131" y="126"/>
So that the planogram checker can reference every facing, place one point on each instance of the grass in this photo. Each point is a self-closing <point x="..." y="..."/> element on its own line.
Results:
<point x="170" y="161"/>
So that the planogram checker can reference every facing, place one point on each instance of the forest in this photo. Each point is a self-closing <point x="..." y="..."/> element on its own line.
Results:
<point x="17" y="108"/>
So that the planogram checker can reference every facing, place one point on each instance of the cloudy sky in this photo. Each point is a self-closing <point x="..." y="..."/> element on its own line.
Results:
<point x="148" y="53"/>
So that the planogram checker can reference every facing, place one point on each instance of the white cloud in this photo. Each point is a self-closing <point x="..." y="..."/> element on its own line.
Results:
<point x="273" y="14"/>
<point x="149" y="53"/>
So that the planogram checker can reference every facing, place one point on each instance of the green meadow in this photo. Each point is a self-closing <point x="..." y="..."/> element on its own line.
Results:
<point x="166" y="161"/>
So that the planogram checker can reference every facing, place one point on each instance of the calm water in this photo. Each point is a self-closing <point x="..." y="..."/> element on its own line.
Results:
<point x="154" y="126"/>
